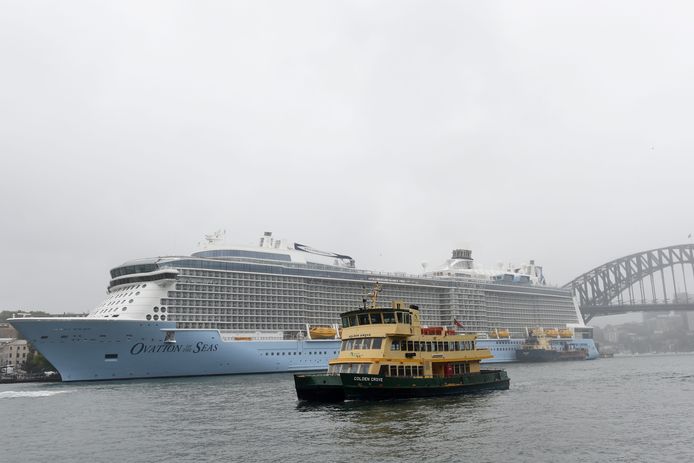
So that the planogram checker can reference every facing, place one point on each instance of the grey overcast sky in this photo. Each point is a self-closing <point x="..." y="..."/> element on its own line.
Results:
<point x="392" y="131"/>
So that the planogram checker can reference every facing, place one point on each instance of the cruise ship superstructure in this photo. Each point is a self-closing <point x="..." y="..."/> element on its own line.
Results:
<point x="245" y="309"/>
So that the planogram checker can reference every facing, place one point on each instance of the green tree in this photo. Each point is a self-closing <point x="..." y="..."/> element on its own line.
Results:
<point x="37" y="363"/>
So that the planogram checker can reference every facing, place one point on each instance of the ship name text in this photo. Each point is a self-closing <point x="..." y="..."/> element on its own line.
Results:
<point x="368" y="378"/>
<point x="142" y="348"/>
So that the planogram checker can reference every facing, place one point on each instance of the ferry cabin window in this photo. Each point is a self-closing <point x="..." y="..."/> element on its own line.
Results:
<point x="363" y="318"/>
<point x="352" y="320"/>
<point x="461" y="368"/>
<point x="345" y="322"/>
<point x="402" y="370"/>
<point x="395" y="345"/>
<point x="376" y="319"/>
<point x="404" y="318"/>
<point x="349" y="368"/>
<point x="388" y="317"/>
<point x="362" y="343"/>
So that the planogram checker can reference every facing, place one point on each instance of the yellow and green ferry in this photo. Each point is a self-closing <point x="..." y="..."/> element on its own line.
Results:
<point x="386" y="354"/>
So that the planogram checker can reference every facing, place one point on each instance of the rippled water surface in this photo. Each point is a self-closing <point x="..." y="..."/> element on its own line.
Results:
<point x="621" y="409"/>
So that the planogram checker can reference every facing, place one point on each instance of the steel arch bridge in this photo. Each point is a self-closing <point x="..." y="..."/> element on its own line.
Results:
<point x="655" y="280"/>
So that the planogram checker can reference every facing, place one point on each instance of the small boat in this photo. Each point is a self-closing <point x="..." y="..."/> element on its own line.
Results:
<point x="386" y="354"/>
<point x="498" y="334"/>
<point x="539" y="348"/>
<point x="322" y="332"/>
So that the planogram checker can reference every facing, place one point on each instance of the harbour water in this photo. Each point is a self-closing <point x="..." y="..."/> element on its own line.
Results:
<point x="627" y="409"/>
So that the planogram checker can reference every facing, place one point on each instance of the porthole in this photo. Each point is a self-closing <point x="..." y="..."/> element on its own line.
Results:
<point x="124" y="309"/>
<point x="145" y="285"/>
<point x="137" y="293"/>
<point x="156" y="309"/>
<point x="130" y="301"/>
<point x="163" y="317"/>
<point x="156" y="317"/>
<point x="149" y="317"/>
<point x="163" y="309"/>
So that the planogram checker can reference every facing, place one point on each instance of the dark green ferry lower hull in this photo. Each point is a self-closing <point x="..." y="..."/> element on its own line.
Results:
<point x="352" y="386"/>
<point x="319" y="388"/>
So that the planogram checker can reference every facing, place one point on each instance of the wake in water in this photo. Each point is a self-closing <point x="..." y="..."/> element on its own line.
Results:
<point x="31" y="394"/>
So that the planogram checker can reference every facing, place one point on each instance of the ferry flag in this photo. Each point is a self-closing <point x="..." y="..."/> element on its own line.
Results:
<point x="457" y="323"/>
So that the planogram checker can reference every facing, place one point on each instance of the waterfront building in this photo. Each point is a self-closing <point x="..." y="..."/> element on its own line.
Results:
<point x="8" y="331"/>
<point x="14" y="353"/>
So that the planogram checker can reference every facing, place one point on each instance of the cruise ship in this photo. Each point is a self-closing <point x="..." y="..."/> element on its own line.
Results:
<point x="229" y="309"/>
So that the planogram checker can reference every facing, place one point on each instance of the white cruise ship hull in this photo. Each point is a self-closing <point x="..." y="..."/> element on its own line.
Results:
<point x="83" y="349"/>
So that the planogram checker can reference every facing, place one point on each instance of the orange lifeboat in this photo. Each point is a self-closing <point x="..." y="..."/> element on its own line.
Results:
<point x="322" y="332"/>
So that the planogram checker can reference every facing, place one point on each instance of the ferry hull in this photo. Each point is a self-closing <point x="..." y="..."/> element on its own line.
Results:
<point x="354" y="386"/>
<point x="319" y="388"/>
<point x="549" y="355"/>
<point x="84" y="349"/>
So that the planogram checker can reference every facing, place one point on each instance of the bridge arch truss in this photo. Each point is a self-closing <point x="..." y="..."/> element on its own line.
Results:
<point x="654" y="280"/>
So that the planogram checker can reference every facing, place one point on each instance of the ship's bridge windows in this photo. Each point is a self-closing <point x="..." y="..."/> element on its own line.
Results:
<point x="376" y="318"/>
<point x="363" y="318"/>
<point x="388" y="317"/>
<point x="141" y="268"/>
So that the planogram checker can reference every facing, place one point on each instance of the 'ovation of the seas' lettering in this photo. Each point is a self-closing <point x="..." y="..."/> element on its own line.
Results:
<point x="141" y="348"/>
